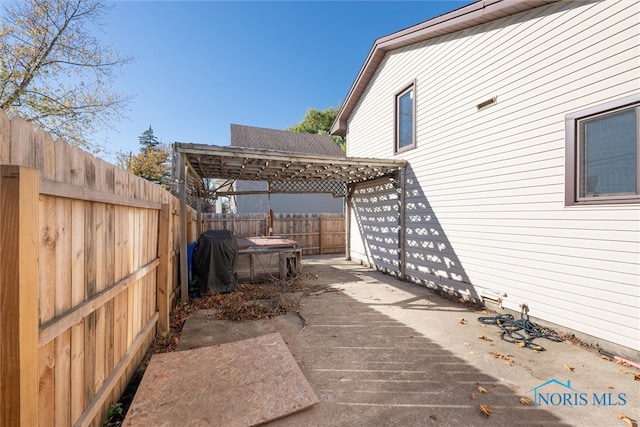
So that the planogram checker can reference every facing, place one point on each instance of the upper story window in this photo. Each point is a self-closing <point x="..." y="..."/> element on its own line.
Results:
<point x="405" y="124"/>
<point x="602" y="154"/>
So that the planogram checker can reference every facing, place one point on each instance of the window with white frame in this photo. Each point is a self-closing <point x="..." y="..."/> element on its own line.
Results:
<point x="405" y="122"/>
<point x="602" y="153"/>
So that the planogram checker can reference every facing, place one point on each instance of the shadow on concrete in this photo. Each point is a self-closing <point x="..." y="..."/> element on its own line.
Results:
<point x="372" y="369"/>
<point x="431" y="259"/>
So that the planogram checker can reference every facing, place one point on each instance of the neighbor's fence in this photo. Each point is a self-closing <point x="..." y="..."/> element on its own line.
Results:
<point x="88" y="271"/>
<point x="315" y="233"/>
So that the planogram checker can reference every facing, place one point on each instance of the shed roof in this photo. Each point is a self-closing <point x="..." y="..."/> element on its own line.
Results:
<point x="282" y="140"/>
<point x="477" y="13"/>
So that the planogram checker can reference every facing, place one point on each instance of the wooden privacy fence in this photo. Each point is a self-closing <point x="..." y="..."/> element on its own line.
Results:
<point x="315" y="233"/>
<point x="88" y="272"/>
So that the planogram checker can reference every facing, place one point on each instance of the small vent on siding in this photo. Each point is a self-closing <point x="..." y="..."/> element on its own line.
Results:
<point x="487" y="103"/>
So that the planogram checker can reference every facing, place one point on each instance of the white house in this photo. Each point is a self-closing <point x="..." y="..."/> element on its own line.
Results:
<point x="520" y="124"/>
<point x="294" y="142"/>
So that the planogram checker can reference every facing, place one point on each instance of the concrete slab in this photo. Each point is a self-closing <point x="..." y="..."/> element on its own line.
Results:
<point x="381" y="352"/>
<point x="242" y="383"/>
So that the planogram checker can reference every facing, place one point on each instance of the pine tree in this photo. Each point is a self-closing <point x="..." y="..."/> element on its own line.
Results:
<point x="152" y="163"/>
<point x="148" y="140"/>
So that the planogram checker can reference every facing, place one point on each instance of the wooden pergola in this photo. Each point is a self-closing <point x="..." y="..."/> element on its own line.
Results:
<point x="285" y="172"/>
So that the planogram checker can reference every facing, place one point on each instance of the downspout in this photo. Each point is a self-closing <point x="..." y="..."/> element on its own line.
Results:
<point x="402" y="256"/>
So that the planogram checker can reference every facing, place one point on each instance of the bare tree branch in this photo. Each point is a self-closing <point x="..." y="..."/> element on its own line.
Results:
<point x="52" y="68"/>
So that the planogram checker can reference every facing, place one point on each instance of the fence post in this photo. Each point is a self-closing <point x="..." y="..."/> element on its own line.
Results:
<point x="321" y="236"/>
<point x="164" y="279"/>
<point x="19" y="193"/>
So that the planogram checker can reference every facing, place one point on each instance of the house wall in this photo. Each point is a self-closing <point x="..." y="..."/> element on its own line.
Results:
<point x="485" y="189"/>
<point x="284" y="203"/>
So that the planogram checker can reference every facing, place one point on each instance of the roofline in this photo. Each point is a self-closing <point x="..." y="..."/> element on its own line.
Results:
<point x="477" y="13"/>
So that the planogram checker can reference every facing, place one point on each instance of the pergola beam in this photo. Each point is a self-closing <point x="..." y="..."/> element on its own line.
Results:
<point x="237" y="163"/>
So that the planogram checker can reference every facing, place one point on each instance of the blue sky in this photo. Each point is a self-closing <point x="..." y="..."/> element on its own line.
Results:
<point x="202" y="65"/>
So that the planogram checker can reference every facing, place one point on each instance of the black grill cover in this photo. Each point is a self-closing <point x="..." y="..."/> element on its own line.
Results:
<point x="214" y="261"/>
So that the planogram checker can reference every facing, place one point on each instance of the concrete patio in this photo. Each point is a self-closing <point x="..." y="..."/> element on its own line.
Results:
<point x="381" y="352"/>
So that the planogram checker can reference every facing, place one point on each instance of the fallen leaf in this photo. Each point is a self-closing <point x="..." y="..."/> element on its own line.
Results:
<point x="481" y="389"/>
<point x="501" y="356"/>
<point x="525" y="401"/>
<point x="467" y="343"/>
<point x="623" y="371"/>
<point x="484" y="337"/>
<point x="506" y="357"/>
<point x="433" y="416"/>
<point x="462" y="321"/>
<point x="623" y="363"/>
<point x="629" y="421"/>
<point x="569" y="367"/>
<point x="605" y="357"/>
<point x="472" y="353"/>
<point x="485" y="410"/>
<point x="473" y="396"/>
<point x="636" y="377"/>
<point x="521" y="344"/>
<point x="609" y="386"/>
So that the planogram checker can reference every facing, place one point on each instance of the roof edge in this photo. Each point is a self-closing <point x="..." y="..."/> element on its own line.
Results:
<point x="474" y="14"/>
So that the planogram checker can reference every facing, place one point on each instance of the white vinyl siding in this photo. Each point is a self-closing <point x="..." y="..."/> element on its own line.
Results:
<point x="284" y="203"/>
<point x="485" y="190"/>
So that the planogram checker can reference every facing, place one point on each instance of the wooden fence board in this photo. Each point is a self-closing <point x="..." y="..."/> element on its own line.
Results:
<point x="23" y="154"/>
<point x="77" y="370"/>
<point x="62" y="304"/>
<point x="97" y="245"/>
<point x="62" y="398"/>
<point x="18" y="295"/>
<point x="47" y="304"/>
<point x="5" y="139"/>
<point x="90" y="289"/>
<point x="100" y="248"/>
<point x="315" y="233"/>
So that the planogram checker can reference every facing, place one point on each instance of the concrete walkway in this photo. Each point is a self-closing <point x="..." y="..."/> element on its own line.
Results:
<point x="382" y="352"/>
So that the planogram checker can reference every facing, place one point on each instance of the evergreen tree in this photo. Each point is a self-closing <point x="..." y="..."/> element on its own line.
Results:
<point x="152" y="163"/>
<point x="148" y="140"/>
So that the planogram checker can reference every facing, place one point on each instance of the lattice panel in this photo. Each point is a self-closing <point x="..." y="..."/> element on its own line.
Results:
<point x="337" y="189"/>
